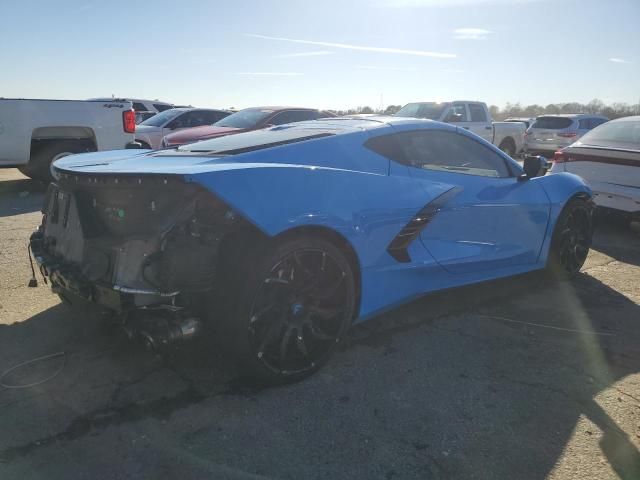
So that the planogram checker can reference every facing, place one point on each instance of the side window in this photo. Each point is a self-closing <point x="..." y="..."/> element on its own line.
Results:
<point x="181" y="121"/>
<point x="213" y="117"/>
<point x="197" y="118"/>
<point x="139" y="107"/>
<point x="280" y="118"/>
<point x="584" y="124"/>
<point x="477" y="112"/>
<point x="442" y="151"/>
<point x="597" y="121"/>
<point x="457" y="114"/>
<point x="291" y="116"/>
<point x="161" y="107"/>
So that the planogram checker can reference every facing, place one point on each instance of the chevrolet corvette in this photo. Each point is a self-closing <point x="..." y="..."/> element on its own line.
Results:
<point x="276" y="241"/>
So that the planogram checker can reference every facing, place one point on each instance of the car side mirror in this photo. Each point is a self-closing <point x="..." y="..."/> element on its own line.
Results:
<point x="534" y="166"/>
<point x="454" y="118"/>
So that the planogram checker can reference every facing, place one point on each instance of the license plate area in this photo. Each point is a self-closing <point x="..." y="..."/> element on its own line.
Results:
<point x="62" y="228"/>
<point x="545" y="136"/>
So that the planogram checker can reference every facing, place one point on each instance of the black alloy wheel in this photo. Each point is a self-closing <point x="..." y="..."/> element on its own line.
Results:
<point x="286" y="306"/>
<point x="300" y="312"/>
<point x="572" y="237"/>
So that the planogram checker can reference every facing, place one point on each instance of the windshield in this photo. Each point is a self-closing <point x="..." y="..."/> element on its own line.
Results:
<point x="161" y="119"/>
<point x="248" y="118"/>
<point x="624" y="134"/>
<point x="432" y="111"/>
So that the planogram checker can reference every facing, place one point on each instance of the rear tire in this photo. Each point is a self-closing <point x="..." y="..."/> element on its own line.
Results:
<point x="288" y="305"/>
<point x="39" y="167"/>
<point x="571" y="238"/>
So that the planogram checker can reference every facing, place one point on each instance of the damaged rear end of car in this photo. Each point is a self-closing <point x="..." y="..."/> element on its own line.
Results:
<point x="146" y="248"/>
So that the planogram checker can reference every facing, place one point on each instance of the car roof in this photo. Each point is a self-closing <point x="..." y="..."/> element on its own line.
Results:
<point x="633" y="118"/>
<point x="192" y="109"/>
<point x="111" y="99"/>
<point x="277" y="108"/>
<point x="338" y="125"/>
<point x="571" y="115"/>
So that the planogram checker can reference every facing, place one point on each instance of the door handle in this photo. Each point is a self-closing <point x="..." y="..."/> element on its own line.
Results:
<point x="488" y="128"/>
<point x="466" y="128"/>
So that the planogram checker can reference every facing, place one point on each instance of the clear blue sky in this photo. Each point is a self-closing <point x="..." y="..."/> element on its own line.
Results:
<point x="324" y="53"/>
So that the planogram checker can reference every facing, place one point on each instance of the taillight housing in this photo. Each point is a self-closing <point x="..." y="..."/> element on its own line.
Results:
<point x="129" y="121"/>
<point x="559" y="156"/>
<point x="568" y="134"/>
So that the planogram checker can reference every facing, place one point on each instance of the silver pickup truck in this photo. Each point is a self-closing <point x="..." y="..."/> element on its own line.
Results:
<point x="472" y="116"/>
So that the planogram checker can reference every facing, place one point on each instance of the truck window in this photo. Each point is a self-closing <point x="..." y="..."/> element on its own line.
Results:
<point x="457" y="114"/>
<point x="477" y="112"/>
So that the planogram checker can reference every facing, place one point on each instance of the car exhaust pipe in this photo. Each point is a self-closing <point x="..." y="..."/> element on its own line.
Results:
<point x="157" y="331"/>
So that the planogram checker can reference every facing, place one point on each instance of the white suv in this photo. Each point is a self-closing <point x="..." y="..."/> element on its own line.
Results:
<point x="553" y="132"/>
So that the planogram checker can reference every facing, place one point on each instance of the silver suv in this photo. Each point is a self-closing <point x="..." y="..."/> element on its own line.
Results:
<point x="553" y="132"/>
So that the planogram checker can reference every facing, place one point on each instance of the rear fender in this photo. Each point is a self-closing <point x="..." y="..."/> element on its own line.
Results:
<point x="367" y="209"/>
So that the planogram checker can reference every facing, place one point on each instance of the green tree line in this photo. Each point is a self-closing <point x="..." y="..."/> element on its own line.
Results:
<point x="595" y="106"/>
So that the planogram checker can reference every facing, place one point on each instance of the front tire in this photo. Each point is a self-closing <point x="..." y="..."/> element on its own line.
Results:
<point x="571" y="238"/>
<point x="289" y="308"/>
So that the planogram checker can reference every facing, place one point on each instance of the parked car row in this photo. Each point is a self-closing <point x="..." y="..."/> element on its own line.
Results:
<point x="244" y="121"/>
<point x="35" y="133"/>
<point x="151" y="132"/>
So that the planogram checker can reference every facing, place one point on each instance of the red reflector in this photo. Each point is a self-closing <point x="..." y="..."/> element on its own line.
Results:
<point x="567" y="135"/>
<point x="129" y="121"/>
<point x="559" y="157"/>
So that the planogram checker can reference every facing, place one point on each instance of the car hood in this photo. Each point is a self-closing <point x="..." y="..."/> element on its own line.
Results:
<point x="200" y="133"/>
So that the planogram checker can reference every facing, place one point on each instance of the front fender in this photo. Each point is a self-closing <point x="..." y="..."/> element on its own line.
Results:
<point x="560" y="188"/>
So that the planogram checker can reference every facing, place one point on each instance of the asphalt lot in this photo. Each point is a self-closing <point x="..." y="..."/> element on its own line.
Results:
<point x="517" y="379"/>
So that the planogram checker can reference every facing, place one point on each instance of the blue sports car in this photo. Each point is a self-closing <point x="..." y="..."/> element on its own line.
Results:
<point x="276" y="241"/>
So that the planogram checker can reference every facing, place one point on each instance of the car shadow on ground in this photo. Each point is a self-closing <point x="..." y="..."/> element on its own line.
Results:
<point x="486" y="381"/>
<point x="20" y="196"/>
<point x="619" y="242"/>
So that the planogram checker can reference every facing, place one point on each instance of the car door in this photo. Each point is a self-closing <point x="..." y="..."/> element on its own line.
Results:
<point x="479" y="122"/>
<point x="489" y="219"/>
<point x="184" y="120"/>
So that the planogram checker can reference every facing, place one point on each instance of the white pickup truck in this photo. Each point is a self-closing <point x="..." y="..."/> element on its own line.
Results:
<point x="472" y="116"/>
<point x="34" y="133"/>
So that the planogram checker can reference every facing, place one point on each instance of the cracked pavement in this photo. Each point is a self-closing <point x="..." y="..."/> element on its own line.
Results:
<point x="521" y="378"/>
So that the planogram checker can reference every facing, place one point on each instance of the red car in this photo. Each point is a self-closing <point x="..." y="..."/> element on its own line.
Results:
<point x="243" y="121"/>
